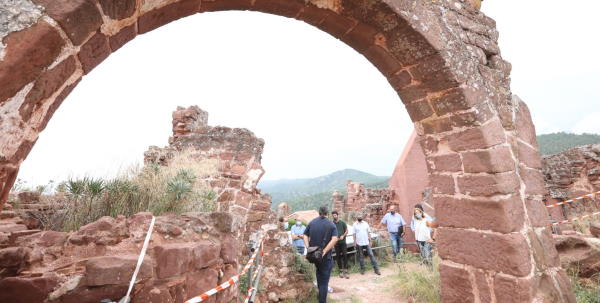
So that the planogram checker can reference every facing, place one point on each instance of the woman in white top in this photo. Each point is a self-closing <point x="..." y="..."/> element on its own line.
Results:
<point x="421" y="224"/>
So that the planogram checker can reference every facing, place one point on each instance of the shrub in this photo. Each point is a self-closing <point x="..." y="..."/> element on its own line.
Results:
<point x="177" y="188"/>
<point x="586" y="290"/>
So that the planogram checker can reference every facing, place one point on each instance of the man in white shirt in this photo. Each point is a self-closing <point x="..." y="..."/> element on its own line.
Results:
<point x="362" y="241"/>
<point x="395" y="226"/>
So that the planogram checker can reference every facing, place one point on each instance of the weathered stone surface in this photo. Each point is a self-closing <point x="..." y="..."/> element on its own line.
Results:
<point x="47" y="84"/>
<point x="507" y="253"/>
<point x="166" y="14"/>
<point x="26" y="290"/>
<point x="485" y="136"/>
<point x="172" y="259"/>
<point x="115" y="270"/>
<point x="78" y="18"/>
<point x="123" y="36"/>
<point x="514" y="290"/>
<point x="595" y="229"/>
<point x="495" y="160"/>
<point x="579" y="253"/>
<point x="456" y="285"/>
<point x="488" y="185"/>
<point x="28" y="53"/>
<point x="503" y="216"/>
<point x="93" y="52"/>
<point x="118" y="9"/>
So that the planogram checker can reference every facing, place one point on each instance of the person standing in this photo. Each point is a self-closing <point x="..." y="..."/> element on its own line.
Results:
<point x="322" y="233"/>
<point x="395" y="226"/>
<point x="298" y="236"/>
<point x="421" y="224"/>
<point x="362" y="244"/>
<point x="340" y="246"/>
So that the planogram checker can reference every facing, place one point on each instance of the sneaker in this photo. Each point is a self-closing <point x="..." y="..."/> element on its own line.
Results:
<point x="362" y="271"/>
<point x="346" y="273"/>
<point x="377" y="272"/>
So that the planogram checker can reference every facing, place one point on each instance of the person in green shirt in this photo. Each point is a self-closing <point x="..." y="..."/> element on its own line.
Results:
<point x="340" y="246"/>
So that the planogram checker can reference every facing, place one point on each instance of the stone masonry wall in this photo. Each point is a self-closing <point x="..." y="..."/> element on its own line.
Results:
<point x="569" y="174"/>
<point x="238" y="152"/>
<point x="443" y="59"/>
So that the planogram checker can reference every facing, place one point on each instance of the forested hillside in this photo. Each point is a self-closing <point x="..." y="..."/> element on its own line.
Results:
<point x="558" y="142"/>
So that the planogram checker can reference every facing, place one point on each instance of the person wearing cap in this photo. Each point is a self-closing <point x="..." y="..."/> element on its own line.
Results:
<point x="395" y="226"/>
<point x="362" y="244"/>
<point x="422" y="225"/>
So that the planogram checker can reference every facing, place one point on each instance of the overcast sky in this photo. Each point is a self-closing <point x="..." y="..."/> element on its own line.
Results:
<point x="319" y="105"/>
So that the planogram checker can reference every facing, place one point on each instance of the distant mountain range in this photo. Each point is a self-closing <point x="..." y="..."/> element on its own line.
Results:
<point x="557" y="142"/>
<point x="310" y="193"/>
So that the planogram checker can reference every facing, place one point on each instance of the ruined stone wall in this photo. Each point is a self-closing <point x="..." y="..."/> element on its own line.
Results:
<point x="187" y="255"/>
<point x="238" y="152"/>
<point x="569" y="174"/>
<point x="371" y="202"/>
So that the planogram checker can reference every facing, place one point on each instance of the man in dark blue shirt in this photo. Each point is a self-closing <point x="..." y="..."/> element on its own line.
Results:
<point x="323" y="233"/>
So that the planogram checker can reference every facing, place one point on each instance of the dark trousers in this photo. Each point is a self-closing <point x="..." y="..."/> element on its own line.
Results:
<point x="323" y="274"/>
<point x="361" y="256"/>
<point x="340" y="255"/>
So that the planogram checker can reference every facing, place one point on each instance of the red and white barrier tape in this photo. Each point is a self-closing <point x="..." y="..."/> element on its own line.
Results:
<point x="229" y="282"/>
<point x="575" y="219"/>
<point x="574" y="199"/>
<point x="250" y="289"/>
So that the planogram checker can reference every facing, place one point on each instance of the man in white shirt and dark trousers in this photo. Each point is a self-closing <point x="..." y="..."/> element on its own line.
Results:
<point x="395" y="226"/>
<point x="362" y="240"/>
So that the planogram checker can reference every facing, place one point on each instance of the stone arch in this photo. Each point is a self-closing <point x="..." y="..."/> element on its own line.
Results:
<point x="441" y="57"/>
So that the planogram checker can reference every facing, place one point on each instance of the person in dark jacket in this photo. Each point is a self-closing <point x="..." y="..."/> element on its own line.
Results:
<point x="340" y="246"/>
<point x="322" y="233"/>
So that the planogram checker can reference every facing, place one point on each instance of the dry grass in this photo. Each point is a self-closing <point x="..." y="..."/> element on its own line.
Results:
<point x="420" y="282"/>
<point x="177" y="188"/>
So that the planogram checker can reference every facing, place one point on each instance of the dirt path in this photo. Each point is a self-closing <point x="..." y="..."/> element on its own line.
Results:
<point x="367" y="288"/>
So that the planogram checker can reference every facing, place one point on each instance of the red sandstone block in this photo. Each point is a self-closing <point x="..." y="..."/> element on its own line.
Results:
<point x="337" y="25"/>
<point x="46" y="85"/>
<point x="57" y="102"/>
<point x="78" y="18"/>
<point x="411" y="93"/>
<point x="229" y="294"/>
<point x="456" y="285"/>
<point x="452" y="100"/>
<point x="508" y="253"/>
<point x="479" y="115"/>
<point x="383" y="60"/>
<point x="447" y="163"/>
<point x="400" y="80"/>
<point x="201" y="281"/>
<point x="125" y="35"/>
<point x="537" y="212"/>
<point x="524" y="125"/>
<point x="502" y="216"/>
<point x="172" y="259"/>
<point x="28" y="53"/>
<point x="419" y="110"/>
<point x="161" y="16"/>
<point x="118" y="9"/>
<point x="286" y="8"/>
<point x="489" y="185"/>
<point x="427" y="67"/>
<point x="534" y="181"/>
<point x="442" y="184"/>
<point x="478" y="137"/>
<point x="529" y="156"/>
<point x="439" y="80"/>
<point x="428" y="144"/>
<point x="494" y="160"/>
<point x="543" y="247"/>
<point x="361" y="37"/>
<point x="93" y="52"/>
<point x="436" y="126"/>
<point x="312" y="14"/>
<point x="408" y="45"/>
<point x="225" y="5"/>
<point x="514" y="290"/>
<point x="483" y="286"/>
